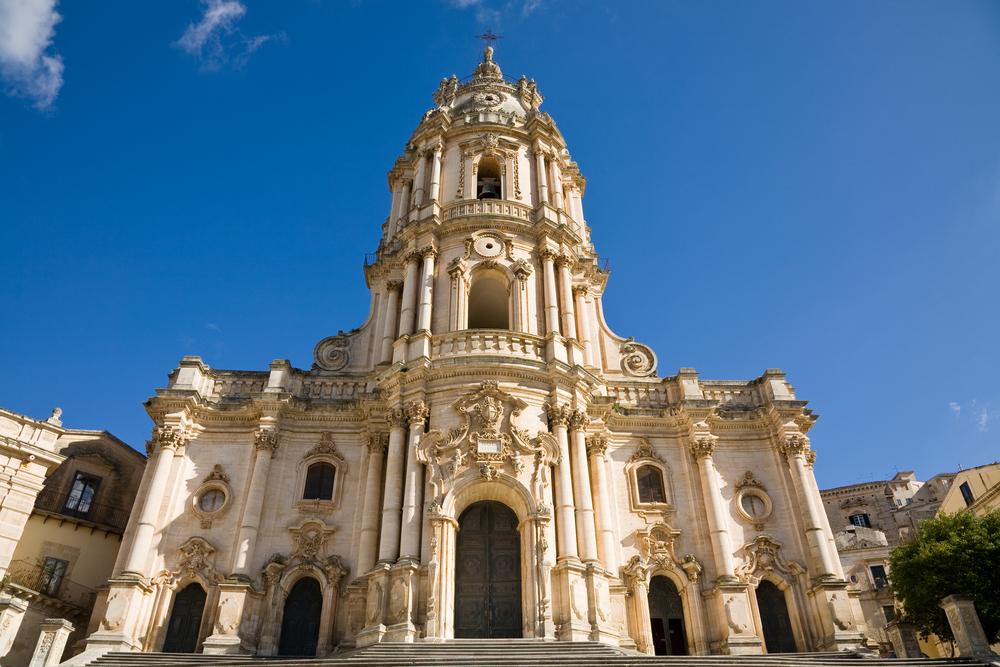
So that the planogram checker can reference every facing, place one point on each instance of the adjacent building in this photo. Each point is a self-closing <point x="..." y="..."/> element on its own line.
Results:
<point x="483" y="457"/>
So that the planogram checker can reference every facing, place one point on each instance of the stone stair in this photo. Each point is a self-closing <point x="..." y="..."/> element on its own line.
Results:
<point x="513" y="652"/>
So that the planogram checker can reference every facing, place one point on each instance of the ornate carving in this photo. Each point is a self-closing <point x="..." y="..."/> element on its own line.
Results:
<point x="266" y="438"/>
<point x="326" y="447"/>
<point x="763" y="555"/>
<point x="375" y="594"/>
<point x="309" y="539"/>
<point x="447" y="91"/>
<point x="333" y="352"/>
<point x="749" y="481"/>
<point x="488" y="471"/>
<point x="527" y="92"/>
<point x="399" y="595"/>
<point x="597" y="444"/>
<point x="657" y="552"/>
<point x="578" y="420"/>
<point x="196" y="556"/>
<point x="522" y="269"/>
<point x="703" y="445"/>
<point x="217" y="475"/>
<point x="393" y="285"/>
<point x="428" y="251"/>
<point x="376" y="442"/>
<point x="396" y="417"/>
<point x="416" y="413"/>
<point x="644" y="450"/>
<point x="795" y="444"/>
<point x="637" y="360"/>
<point x="559" y="414"/>
<point x="335" y="570"/>
<point x="166" y="437"/>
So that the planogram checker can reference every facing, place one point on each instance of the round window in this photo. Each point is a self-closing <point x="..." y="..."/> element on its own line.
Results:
<point x="212" y="500"/>
<point x="754" y="506"/>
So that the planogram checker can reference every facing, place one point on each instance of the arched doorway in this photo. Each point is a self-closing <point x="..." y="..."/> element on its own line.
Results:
<point x="185" y="620"/>
<point x="300" y="621"/>
<point x="488" y="573"/>
<point x="776" y="624"/>
<point x="489" y="301"/>
<point x="666" y="618"/>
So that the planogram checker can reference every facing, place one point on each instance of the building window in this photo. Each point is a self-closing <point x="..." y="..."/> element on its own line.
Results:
<point x="489" y="300"/>
<point x="319" y="482"/>
<point x="879" y="577"/>
<point x="967" y="493"/>
<point x="650" y="482"/>
<point x="212" y="500"/>
<point x="860" y="520"/>
<point x="889" y="612"/>
<point x="53" y="571"/>
<point x="82" y="493"/>
<point x="488" y="179"/>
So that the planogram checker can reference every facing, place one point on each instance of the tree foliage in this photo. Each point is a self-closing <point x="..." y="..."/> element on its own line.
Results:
<point x="952" y="554"/>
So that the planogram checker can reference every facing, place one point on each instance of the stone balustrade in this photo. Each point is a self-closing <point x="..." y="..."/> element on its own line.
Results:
<point x="488" y="342"/>
<point x="492" y="207"/>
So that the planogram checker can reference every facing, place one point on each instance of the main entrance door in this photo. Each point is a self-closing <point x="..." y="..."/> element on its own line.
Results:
<point x="185" y="620"/>
<point x="666" y="618"/>
<point x="300" y="622"/>
<point x="774" y="618"/>
<point x="488" y="573"/>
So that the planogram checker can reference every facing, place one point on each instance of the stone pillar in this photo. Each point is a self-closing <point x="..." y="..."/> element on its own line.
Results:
<point x="559" y="416"/>
<point x="397" y="205"/>
<point x="406" y="314"/>
<point x="903" y="637"/>
<point x="582" y="495"/>
<point x="413" y="495"/>
<point x="543" y="185"/>
<point x="266" y="443"/>
<point x="420" y="180"/>
<point x="796" y="448"/>
<point x="522" y="309"/>
<point x="165" y="440"/>
<point x="390" y="326"/>
<point x="585" y="328"/>
<point x="392" y="502"/>
<point x="966" y="627"/>
<point x="635" y="578"/>
<point x="373" y="491"/>
<point x="11" y="614"/>
<point x="436" y="172"/>
<point x="404" y="206"/>
<point x="426" y="289"/>
<point x="51" y="642"/>
<point x="566" y="283"/>
<point x="551" y="300"/>
<point x="607" y="545"/>
<point x="702" y="447"/>
<point x="557" y="188"/>
<point x="457" y="318"/>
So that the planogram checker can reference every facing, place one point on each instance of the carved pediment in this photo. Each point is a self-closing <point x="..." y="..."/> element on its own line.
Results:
<point x="763" y="555"/>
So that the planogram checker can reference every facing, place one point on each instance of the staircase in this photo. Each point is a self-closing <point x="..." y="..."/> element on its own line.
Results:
<point x="514" y="652"/>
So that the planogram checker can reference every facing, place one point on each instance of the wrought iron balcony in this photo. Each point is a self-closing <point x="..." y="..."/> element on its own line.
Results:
<point x="35" y="580"/>
<point x="110" y="517"/>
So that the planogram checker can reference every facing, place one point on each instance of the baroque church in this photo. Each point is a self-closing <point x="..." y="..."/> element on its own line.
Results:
<point x="483" y="457"/>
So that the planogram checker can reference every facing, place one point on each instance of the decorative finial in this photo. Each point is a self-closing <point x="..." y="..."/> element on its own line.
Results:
<point x="54" y="417"/>
<point x="488" y="37"/>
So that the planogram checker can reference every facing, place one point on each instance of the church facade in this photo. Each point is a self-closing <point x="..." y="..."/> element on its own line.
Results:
<point x="483" y="457"/>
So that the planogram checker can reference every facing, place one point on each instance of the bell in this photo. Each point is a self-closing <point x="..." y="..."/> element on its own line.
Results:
<point x="489" y="189"/>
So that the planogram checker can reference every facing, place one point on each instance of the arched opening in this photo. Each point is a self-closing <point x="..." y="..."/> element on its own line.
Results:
<point x="185" y="620"/>
<point x="776" y="624"/>
<point x="319" y="482"/>
<point x="666" y="618"/>
<point x="489" y="301"/>
<point x="649" y="479"/>
<point x="300" y="621"/>
<point x="488" y="179"/>
<point x="488" y="573"/>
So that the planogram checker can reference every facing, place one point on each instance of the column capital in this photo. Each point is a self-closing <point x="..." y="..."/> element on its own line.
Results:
<point x="558" y="414"/>
<point x="581" y="290"/>
<point x="428" y="251"/>
<point x="703" y="445"/>
<point x="416" y="413"/>
<point x="579" y="420"/>
<point x="167" y="437"/>
<point x="377" y="442"/>
<point x="796" y="444"/>
<point x="547" y="254"/>
<point x="394" y="285"/>
<point x="266" y="438"/>
<point x="395" y="417"/>
<point x="412" y="257"/>
<point x="597" y="444"/>
<point x="564" y="260"/>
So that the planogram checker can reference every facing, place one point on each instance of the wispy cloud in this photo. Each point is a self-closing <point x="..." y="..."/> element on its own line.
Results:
<point x="955" y="408"/>
<point x="980" y="413"/>
<point x="217" y="40"/>
<point x="490" y="13"/>
<point x="983" y="420"/>
<point x="28" y="66"/>
<point x="212" y="326"/>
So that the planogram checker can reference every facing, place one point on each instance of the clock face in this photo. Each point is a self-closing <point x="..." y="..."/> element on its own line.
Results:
<point x="488" y="246"/>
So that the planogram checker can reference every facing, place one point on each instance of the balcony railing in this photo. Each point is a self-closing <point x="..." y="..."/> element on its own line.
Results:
<point x="110" y="516"/>
<point x="488" y="342"/>
<point x="496" y="207"/>
<point x="37" y="579"/>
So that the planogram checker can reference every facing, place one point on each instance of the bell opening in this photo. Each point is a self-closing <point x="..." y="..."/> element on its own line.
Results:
<point x="488" y="179"/>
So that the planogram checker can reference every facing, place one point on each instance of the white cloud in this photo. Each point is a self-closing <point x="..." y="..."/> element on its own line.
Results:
<point x="955" y="407"/>
<point x="27" y="65"/>
<point x="216" y="39"/>
<point x="214" y="327"/>
<point x="984" y="419"/>
<point x="490" y="13"/>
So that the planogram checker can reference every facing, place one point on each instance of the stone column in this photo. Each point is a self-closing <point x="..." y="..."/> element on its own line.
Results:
<point x="51" y="642"/>
<point x="390" y="326"/>
<point x="413" y="495"/>
<point x="543" y="185"/>
<point x="373" y="491"/>
<point x="967" y="628"/>
<point x="11" y="614"/>
<point x="585" y="329"/>
<point x="702" y="447"/>
<point x="436" y="172"/>
<point x="397" y="205"/>
<point x="566" y="282"/>
<point x="522" y="311"/>
<point x="557" y="189"/>
<point x="903" y="637"/>
<point x="607" y="545"/>
<point x="551" y="300"/>
<point x="406" y="314"/>
<point x="404" y="206"/>
<point x="426" y="289"/>
<point x="796" y="449"/>
<point x="165" y="440"/>
<point x="559" y="416"/>
<point x="457" y="319"/>
<point x="582" y="495"/>
<point x="634" y="576"/>
<point x="266" y="443"/>
<point x="420" y="179"/>
<point x="392" y="502"/>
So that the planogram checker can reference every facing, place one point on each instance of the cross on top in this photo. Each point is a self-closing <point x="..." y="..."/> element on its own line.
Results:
<point x="488" y="37"/>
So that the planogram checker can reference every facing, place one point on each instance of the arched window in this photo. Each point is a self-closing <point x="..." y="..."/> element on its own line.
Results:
<point x="489" y="301"/>
<point x="649" y="479"/>
<point x="319" y="482"/>
<point x="488" y="179"/>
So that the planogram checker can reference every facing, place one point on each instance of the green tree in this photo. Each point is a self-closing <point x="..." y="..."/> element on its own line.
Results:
<point x="952" y="554"/>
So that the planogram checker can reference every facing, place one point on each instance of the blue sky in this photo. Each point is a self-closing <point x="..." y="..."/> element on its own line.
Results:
<point x="810" y="186"/>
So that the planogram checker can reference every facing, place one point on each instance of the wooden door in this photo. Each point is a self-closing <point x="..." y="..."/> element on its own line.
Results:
<point x="185" y="620"/>
<point x="300" y="622"/>
<point x="488" y="573"/>
<point x="777" y="626"/>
